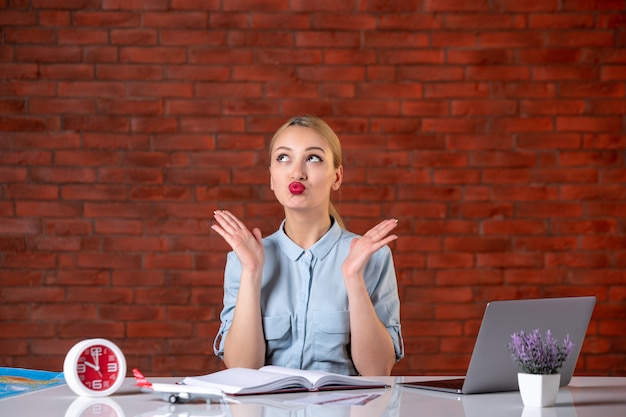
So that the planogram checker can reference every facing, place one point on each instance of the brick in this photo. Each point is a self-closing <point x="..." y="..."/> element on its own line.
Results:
<point x="127" y="72"/>
<point x="576" y="260"/>
<point x="455" y="260"/>
<point x="14" y="71"/>
<point x="519" y="39"/>
<point x="48" y="54"/>
<point x="18" y="284"/>
<point x="463" y="277"/>
<point x="17" y="330"/>
<point x="116" y="210"/>
<point x="122" y="278"/>
<point x="266" y="20"/>
<point x="614" y="176"/>
<point x="159" y="329"/>
<point x="456" y="6"/>
<point x="63" y="312"/>
<point x="585" y="227"/>
<point x="47" y="209"/>
<point x="563" y="72"/>
<point x="590" y="158"/>
<point x="482" y="107"/>
<point x="430" y="73"/>
<point x="162" y="296"/>
<point x="523" y="124"/>
<point x="589" y="124"/>
<point x="142" y="4"/>
<point x="525" y="193"/>
<point x="172" y="19"/>
<point x="34" y="36"/>
<point x="86" y="158"/>
<point x="588" y="192"/>
<point x="147" y="107"/>
<point x="412" y="57"/>
<point x="608" y="107"/>
<point x="13" y="17"/>
<point x="162" y="89"/>
<point x="554" y="21"/>
<point x="64" y="227"/>
<point x="539" y="56"/>
<point x="63" y="176"/>
<point x="395" y="39"/>
<point x="98" y="54"/>
<point x="134" y="36"/>
<point x="28" y="124"/>
<point x="482" y="210"/>
<point x="611" y="20"/>
<point x="573" y="39"/>
<point x="54" y="17"/>
<point x="154" y="125"/>
<point x="413" y="21"/>
<point x="592" y="89"/>
<point x="85" y="329"/>
<point x="541" y="209"/>
<point x="152" y="55"/>
<point x="600" y="242"/>
<point x="454" y="39"/>
<point x="61" y="106"/>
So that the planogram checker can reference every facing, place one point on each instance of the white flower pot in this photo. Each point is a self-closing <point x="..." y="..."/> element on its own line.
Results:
<point x="538" y="390"/>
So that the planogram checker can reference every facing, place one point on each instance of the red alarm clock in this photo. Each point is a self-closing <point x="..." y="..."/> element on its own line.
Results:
<point x="94" y="368"/>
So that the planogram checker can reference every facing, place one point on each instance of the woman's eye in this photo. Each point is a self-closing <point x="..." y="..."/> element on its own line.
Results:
<point x="314" y="158"/>
<point x="282" y="158"/>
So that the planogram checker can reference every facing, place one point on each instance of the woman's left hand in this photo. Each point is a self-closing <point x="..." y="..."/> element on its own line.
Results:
<point x="363" y="247"/>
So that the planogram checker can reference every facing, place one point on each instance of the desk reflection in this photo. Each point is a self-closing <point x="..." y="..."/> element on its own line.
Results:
<point x="193" y="409"/>
<point x="506" y="404"/>
<point x="94" y="407"/>
<point x="385" y="405"/>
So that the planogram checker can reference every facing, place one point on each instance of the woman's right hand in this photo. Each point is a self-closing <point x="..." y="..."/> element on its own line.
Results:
<point x="248" y="246"/>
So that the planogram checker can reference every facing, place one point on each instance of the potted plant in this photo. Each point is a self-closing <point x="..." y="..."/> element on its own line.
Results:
<point x="540" y="360"/>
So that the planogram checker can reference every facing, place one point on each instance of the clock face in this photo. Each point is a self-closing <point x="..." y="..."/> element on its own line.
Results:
<point x="94" y="367"/>
<point x="98" y="367"/>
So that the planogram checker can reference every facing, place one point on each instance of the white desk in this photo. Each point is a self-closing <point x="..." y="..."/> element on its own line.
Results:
<point x="585" y="396"/>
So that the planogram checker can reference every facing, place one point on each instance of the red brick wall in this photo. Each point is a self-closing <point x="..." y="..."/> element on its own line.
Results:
<point x="493" y="130"/>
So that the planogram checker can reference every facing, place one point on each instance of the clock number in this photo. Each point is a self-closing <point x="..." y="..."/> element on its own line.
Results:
<point x="96" y="384"/>
<point x="112" y="367"/>
<point x="96" y="351"/>
<point x="81" y="368"/>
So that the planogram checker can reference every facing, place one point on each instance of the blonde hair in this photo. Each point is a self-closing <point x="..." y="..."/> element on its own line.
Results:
<point x="331" y="138"/>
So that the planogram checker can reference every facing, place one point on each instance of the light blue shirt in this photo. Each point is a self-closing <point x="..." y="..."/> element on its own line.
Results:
<point x="304" y="303"/>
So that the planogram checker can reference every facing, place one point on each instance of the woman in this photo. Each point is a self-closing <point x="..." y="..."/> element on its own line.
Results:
<point x="312" y="295"/>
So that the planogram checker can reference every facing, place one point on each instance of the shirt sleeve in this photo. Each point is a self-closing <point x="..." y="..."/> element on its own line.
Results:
<point x="381" y="275"/>
<point x="232" y="275"/>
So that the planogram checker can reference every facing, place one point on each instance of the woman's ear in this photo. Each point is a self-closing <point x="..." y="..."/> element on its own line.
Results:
<point x="338" y="178"/>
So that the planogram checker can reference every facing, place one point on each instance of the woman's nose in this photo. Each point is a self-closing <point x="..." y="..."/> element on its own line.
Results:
<point x="298" y="172"/>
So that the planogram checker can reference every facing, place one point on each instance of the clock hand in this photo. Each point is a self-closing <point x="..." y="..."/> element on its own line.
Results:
<point x="95" y="367"/>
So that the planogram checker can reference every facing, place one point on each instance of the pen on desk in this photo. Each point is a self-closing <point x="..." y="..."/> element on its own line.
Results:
<point x="368" y="399"/>
<point x="365" y="397"/>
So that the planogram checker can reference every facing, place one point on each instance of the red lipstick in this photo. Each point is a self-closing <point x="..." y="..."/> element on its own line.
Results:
<point x="296" y="188"/>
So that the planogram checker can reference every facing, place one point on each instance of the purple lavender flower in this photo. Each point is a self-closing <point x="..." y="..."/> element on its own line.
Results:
<point x="537" y="356"/>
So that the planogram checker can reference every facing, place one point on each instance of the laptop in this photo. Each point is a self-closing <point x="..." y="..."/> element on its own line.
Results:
<point x="491" y="368"/>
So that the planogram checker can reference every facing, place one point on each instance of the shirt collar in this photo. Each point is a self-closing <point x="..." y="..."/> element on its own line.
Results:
<point x="320" y="249"/>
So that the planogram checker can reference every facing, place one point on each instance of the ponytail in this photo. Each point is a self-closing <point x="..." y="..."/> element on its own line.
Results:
<point x="333" y="212"/>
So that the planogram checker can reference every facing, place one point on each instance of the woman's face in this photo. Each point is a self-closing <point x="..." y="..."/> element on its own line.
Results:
<point x="302" y="174"/>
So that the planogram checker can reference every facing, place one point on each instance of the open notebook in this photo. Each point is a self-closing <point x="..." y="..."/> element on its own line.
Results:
<point x="491" y="368"/>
